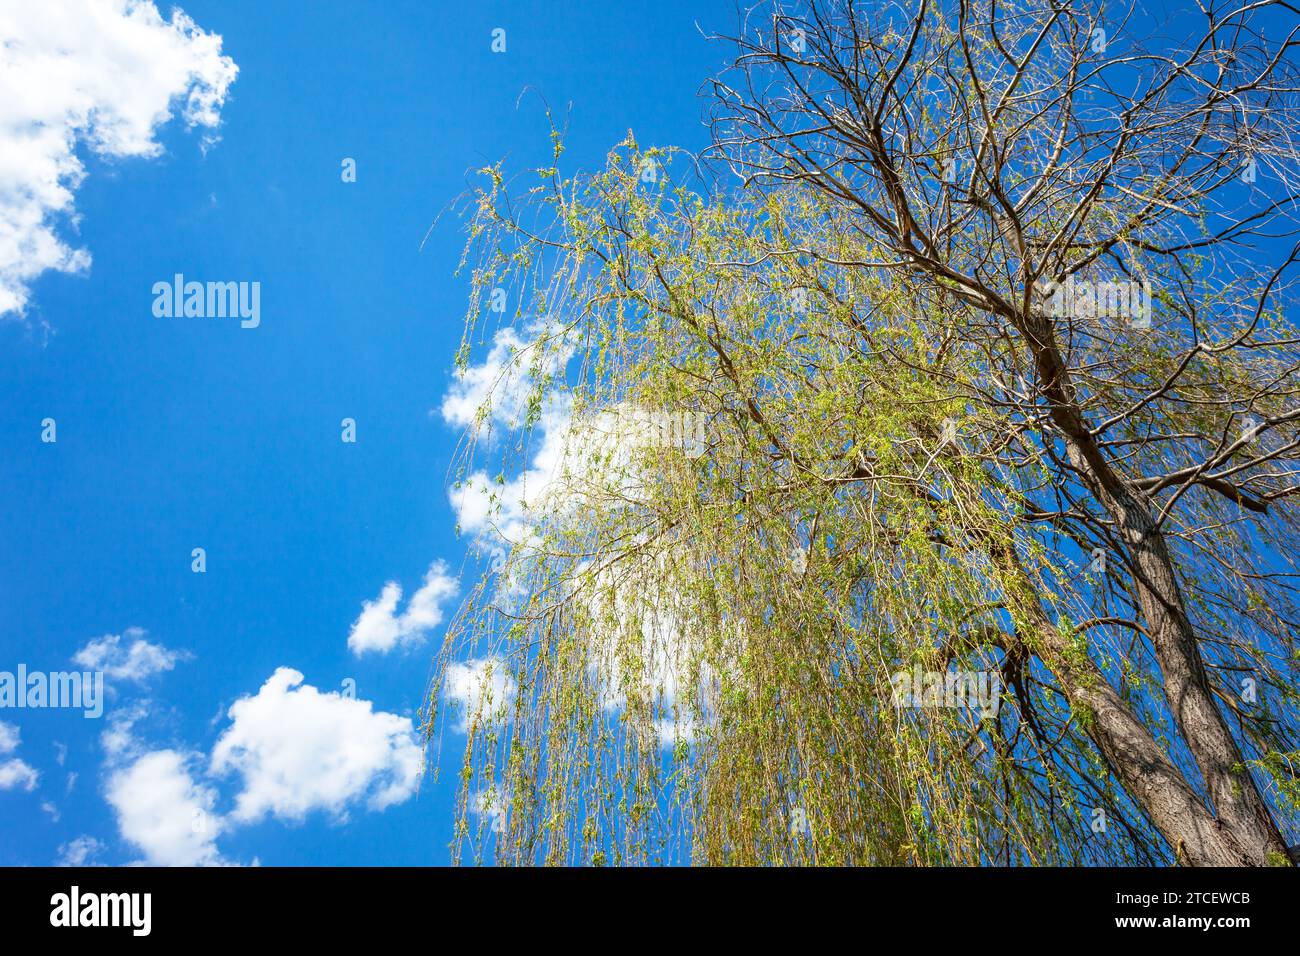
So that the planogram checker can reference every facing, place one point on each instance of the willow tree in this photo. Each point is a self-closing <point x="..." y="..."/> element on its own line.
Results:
<point x="964" y="352"/>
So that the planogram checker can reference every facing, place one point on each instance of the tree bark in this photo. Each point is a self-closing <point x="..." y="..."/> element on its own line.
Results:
<point x="1239" y="808"/>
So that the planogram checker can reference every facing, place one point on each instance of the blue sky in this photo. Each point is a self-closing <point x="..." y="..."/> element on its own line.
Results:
<point x="176" y="433"/>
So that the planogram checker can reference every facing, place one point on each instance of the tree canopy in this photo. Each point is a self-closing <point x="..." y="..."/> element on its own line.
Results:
<point x="963" y="359"/>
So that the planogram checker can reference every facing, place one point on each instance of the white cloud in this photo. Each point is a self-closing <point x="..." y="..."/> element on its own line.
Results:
<point x="136" y="661"/>
<point x="675" y="730"/>
<point x="81" y="851"/>
<point x="299" y="750"/>
<point x="644" y="642"/>
<point x="118" y="738"/>
<point x="578" y="457"/>
<point x="499" y="393"/>
<point x="483" y="689"/>
<point x="292" y="749"/>
<point x="106" y="74"/>
<point x="592" y="457"/>
<point x="504" y="515"/>
<point x="496" y="388"/>
<point x="492" y="807"/>
<point x="581" y="458"/>
<point x="164" y="812"/>
<point x="380" y="628"/>
<point x="14" y="773"/>
<point x="160" y="808"/>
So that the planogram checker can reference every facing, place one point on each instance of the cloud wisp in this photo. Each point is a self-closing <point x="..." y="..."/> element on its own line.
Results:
<point x="101" y="75"/>
<point x="380" y="628"/>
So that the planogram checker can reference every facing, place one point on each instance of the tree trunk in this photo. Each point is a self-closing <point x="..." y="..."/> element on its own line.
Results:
<point x="1239" y="808"/>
